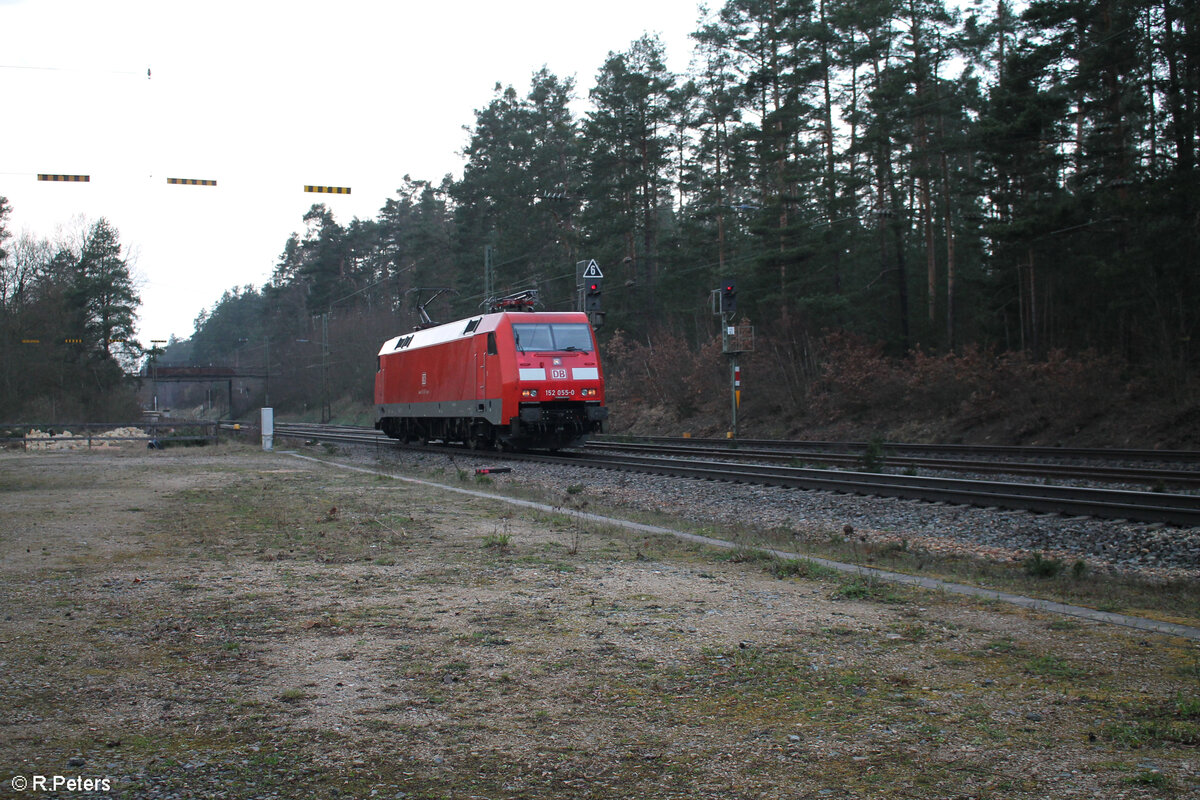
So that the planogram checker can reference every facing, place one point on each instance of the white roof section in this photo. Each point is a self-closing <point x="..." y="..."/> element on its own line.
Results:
<point x="462" y="329"/>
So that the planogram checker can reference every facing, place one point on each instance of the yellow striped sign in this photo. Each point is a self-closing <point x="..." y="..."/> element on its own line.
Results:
<point x="191" y="182"/>
<point x="328" y="189"/>
<point x="70" y="178"/>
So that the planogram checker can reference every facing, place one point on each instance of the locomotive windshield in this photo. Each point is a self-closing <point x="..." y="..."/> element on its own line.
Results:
<point x="544" y="336"/>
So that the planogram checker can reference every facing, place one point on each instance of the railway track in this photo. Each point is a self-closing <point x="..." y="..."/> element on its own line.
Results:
<point x="1187" y="457"/>
<point x="1158" y="478"/>
<point x="1158" y="507"/>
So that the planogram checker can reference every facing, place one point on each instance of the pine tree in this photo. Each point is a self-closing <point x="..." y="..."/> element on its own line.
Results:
<point x="519" y="191"/>
<point x="628" y="190"/>
<point x="104" y="296"/>
<point x="5" y="234"/>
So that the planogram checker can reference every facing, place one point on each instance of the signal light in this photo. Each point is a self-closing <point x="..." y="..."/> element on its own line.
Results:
<point x="728" y="297"/>
<point x="591" y="301"/>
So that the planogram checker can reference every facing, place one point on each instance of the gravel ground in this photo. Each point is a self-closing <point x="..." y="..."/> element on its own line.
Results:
<point x="228" y="623"/>
<point x="1148" y="550"/>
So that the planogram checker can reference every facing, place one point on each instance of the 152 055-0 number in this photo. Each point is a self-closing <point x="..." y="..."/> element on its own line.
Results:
<point x="560" y="392"/>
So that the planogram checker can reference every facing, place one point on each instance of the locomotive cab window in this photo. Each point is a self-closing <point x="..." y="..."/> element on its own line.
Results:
<point x="552" y="336"/>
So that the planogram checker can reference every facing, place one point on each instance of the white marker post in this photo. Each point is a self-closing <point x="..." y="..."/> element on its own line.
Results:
<point x="268" y="428"/>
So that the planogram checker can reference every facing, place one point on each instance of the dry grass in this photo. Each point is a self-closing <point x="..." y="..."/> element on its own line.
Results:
<point x="231" y="621"/>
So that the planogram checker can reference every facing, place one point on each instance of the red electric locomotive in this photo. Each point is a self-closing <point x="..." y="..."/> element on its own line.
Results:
<point x="514" y="379"/>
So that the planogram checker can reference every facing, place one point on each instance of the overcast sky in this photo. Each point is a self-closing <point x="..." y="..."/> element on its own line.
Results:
<point x="265" y="97"/>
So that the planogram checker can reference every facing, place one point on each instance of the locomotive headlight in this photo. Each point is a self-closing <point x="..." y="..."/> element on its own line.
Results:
<point x="529" y="393"/>
<point x="589" y="392"/>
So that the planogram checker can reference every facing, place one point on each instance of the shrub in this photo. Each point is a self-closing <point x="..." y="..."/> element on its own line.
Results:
<point x="498" y="541"/>
<point x="666" y="370"/>
<point x="1038" y="566"/>
<point x="874" y="456"/>
<point x="798" y="568"/>
<point x="856" y="375"/>
<point x="747" y="555"/>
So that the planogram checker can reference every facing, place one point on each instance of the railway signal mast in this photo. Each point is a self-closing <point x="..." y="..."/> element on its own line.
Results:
<point x="589" y="284"/>
<point x="735" y="340"/>
<point x="728" y="298"/>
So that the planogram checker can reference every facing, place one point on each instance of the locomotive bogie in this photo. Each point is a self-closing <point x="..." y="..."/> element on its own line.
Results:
<point x="511" y="379"/>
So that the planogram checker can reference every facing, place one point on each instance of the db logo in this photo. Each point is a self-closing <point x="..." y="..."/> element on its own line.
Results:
<point x="558" y="374"/>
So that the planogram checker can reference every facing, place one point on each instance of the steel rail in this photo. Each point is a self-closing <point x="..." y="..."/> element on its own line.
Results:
<point x="1172" y="509"/>
<point x="330" y="433"/>
<point x="1111" y="474"/>
<point x="1006" y="451"/>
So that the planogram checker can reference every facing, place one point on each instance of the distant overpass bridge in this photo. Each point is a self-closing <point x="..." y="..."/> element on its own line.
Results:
<point x="200" y="374"/>
<point x="207" y="374"/>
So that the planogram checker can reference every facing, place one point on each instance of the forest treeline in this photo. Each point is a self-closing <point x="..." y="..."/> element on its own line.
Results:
<point x="982" y="182"/>
<point x="68" y="311"/>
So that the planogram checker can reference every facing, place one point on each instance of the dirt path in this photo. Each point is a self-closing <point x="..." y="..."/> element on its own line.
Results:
<point x="238" y="624"/>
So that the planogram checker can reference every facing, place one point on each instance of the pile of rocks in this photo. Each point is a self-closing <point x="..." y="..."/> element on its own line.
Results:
<point x="65" y="440"/>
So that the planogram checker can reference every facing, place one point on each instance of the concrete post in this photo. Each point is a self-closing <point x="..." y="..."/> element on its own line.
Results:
<point x="268" y="428"/>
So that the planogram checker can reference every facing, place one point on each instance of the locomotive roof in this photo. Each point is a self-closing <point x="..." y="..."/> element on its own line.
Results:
<point x="463" y="328"/>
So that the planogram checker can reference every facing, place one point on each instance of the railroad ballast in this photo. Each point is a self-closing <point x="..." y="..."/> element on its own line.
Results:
<point x="514" y="379"/>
